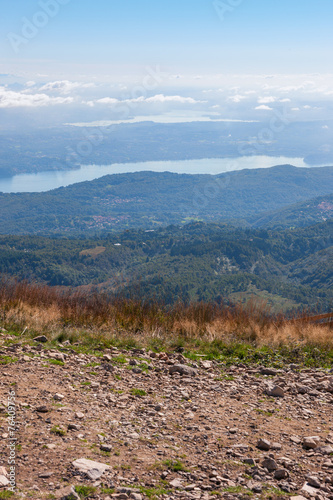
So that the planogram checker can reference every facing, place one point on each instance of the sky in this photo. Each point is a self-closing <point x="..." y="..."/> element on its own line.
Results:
<point x="95" y="63"/>
<point x="89" y="38"/>
<point x="105" y="61"/>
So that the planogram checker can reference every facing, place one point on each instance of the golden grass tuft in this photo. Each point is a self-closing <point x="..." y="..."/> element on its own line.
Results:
<point x="68" y="313"/>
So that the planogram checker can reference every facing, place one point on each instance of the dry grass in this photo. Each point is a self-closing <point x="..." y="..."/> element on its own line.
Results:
<point x="93" y="252"/>
<point x="42" y="309"/>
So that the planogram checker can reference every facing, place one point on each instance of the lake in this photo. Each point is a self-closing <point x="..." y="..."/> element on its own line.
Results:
<point x="45" y="181"/>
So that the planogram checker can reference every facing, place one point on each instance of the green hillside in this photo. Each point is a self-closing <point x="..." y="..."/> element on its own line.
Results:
<point x="150" y="200"/>
<point x="298" y="215"/>
<point x="288" y="268"/>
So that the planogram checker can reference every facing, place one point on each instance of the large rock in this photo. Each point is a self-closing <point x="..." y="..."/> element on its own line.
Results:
<point x="268" y="371"/>
<point x="136" y="496"/>
<point x="106" y="447"/>
<point x="42" y="409"/>
<point x="176" y="483"/>
<point x="310" y="490"/>
<point x="275" y="391"/>
<point x="325" y="450"/>
<point x="183" y="370"/>
<point x="67" y="493"/>
<point x="206" y="364"/>
<point x="57" y="355"/>
<point x="94" y="470"/>
<point x="311" y="442"/>
<point x="3" y="481"/>
<point x="58" y="397"/>
<point x="263" y="444"/>
<point x="302" y="389"/>
<point x="313" y="481"/>
<point x="281" y="474"/>
<point x="41" y="338"/>
<point x="269" y="464"/>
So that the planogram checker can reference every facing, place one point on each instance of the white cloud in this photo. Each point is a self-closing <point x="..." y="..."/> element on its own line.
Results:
<point x="263" y="107"/>
<point x="237" y="98"/>
<point x="11" y="99"/>
<point x="266" y="100"/>
<point x="325" y="127"/>
<point x="156" y="99"/>
<point x="105" y="100"/>
<point x="64" y="86"/>
<point x="171" y="98"/>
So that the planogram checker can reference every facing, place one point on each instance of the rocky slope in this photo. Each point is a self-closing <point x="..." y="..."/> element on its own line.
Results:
<point x="157" y="425"/>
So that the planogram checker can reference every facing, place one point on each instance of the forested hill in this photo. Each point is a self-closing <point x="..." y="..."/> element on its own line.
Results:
<point x="289" y="269"/>
<point x="149" y="200"/>
<point x="297" y="215"/>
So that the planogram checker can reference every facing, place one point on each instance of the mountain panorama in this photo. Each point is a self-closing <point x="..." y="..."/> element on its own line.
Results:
<point x="239" y="236"/>
<point x="166" y="250"/>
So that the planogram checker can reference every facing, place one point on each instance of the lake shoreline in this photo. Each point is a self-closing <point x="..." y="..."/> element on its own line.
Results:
<point x="47" y="180"/>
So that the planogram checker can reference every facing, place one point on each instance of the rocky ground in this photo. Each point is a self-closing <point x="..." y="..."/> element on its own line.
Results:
<point x="136" y="424"/>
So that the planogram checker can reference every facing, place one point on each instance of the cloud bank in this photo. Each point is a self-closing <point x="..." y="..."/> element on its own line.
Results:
<point x="11" y="99"/>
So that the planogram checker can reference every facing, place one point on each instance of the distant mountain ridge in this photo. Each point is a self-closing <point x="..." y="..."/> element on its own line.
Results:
<point x="152" y="199"/>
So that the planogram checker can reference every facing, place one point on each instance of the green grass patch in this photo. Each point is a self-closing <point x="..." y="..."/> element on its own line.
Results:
<point x="138" y="392"/>
<point x="154" y="493"/>
<point x="310" y="356"/>
<point x="175" y="465"/>
<point x="264" y="412"/>
<point x="6" y="494"/>
<point x="58" y="431"/>
<point x="85" y="491"/>
<point x="239" y="490"/>
<point x="6" y="360"/>
<point x="125" y="467"/>
<point x="107" y="491"/>
<point x="144" y="367"/>
<point x="117" y="391"/>
<point x="92" y="365"/>
<point x="119" y="360"/>
<point x="56" y="362"/>
<point x="271" y="491"/>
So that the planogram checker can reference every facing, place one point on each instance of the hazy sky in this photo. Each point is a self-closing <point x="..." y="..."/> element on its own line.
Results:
<point x="188" y="36"/>
<point x="94" y="63"/>
<point x="106" y="60"/>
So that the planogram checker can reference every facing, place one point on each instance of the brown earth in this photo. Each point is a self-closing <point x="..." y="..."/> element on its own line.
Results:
<point x="166" y="435"/>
